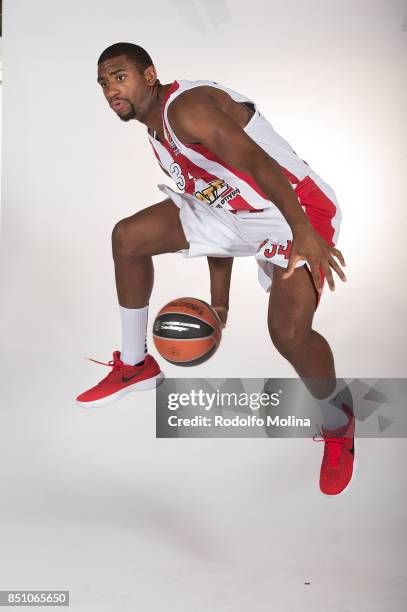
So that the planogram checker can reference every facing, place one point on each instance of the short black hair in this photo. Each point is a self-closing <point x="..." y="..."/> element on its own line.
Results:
<point x="135" y="53"/>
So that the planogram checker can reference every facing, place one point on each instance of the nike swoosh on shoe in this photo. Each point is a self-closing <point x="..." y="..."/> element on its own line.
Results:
<point x="129" y="378"/>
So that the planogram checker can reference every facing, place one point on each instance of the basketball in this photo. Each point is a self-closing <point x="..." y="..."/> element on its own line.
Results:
<point x="187" y="331"/>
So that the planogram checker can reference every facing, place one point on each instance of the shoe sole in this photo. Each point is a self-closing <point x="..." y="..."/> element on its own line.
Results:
<point x="348" y="486"/>
<point x="143" y="385"/>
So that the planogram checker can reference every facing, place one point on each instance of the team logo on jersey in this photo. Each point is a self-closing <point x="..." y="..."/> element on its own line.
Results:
<point x="216" y="190"/>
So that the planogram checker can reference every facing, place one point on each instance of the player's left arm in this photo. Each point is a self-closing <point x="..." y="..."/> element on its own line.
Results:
<point x="197" y="117"/>
<point x="220" y="271"/>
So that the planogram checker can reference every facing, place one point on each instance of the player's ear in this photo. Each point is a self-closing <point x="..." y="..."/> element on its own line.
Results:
<point x="150" y="75"/>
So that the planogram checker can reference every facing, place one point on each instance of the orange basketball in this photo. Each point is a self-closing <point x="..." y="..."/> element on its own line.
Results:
<point x="187" y="331"/>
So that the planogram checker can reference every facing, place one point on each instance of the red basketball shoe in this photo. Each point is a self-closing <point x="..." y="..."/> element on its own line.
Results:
<point x="121" y="380"/>
<point x="339" y="455"/>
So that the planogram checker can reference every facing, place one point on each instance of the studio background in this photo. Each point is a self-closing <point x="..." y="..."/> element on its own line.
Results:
<point x="93" y="492"/>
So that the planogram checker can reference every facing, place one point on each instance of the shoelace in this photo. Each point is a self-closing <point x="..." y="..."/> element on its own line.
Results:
<point x="115" y="364"/>
<point x="333" y="446"/>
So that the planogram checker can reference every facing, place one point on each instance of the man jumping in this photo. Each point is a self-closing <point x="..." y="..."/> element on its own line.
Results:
<point x="243" y="191"/>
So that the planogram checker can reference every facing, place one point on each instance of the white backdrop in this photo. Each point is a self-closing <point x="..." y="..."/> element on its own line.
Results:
<point x="328" y="75"/>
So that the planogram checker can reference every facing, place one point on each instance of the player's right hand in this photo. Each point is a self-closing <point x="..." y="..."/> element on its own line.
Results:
<point x="222" y="313"/>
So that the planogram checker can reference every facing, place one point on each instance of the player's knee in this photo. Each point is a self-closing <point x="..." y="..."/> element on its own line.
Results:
<point x="289" y="338"/>
<point x="128" y="239"/>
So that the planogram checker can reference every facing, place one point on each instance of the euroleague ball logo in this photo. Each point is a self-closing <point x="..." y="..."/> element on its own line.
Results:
<point x="189" y="305"/>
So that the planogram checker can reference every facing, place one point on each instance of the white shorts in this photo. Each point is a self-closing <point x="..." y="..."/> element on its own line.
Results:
<point x="265" y="235"/>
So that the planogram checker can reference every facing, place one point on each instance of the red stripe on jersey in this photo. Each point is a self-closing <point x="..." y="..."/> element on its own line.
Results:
<point x="188" y="167"/>
<point x="241" y="175"/>
<point x="174" y="86"/>
<point x="293" y="179"/>
<point x="207" y="153"/>
<point x="237" y="203"/>
<point x="155" y="153"/>
<point x="319" y="209"/>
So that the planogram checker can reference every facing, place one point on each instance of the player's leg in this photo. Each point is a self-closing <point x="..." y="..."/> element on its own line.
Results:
<point x="135" y="239"/>
<point x="291" y="311"/>
<point x="152" y="231"/>
<point x="292" y="306"/>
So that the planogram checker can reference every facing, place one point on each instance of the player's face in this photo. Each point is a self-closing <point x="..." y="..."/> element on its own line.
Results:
<point x="124" y="87"/>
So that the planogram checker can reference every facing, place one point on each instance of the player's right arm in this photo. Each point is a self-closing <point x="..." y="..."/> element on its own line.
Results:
<point x="220" y="270"/>
<point x="198" y="118"/>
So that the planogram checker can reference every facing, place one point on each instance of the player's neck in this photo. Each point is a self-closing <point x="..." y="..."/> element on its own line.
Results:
<point x="153" y="118"/>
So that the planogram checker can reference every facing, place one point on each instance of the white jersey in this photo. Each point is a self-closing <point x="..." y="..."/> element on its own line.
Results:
<point x="197" y="171"/>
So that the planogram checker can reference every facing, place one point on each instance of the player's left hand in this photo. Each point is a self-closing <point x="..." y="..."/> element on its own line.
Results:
<point x="308" y="245"/>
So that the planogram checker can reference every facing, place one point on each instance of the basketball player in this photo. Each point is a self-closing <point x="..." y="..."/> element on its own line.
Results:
<point x="242" y="191"/>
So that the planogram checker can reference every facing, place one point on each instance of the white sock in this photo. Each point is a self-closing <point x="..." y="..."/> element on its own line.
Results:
<point x="332" y="414"/>
<point x="134" y="332"/>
